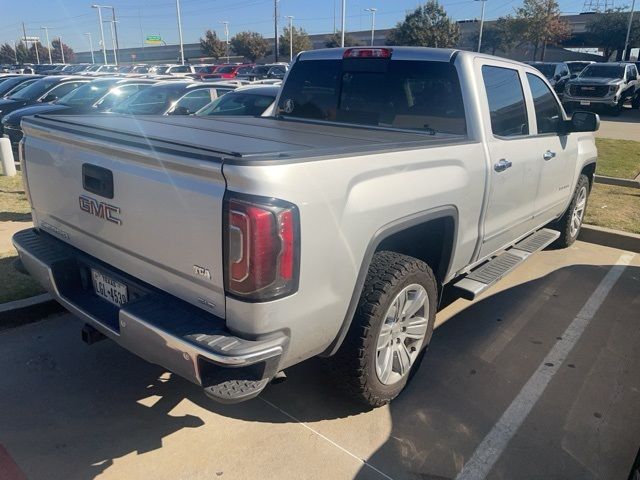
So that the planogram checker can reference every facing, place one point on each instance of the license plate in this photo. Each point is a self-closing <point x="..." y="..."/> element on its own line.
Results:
<point x="109" y="289"/>
<point x="586" y="104"/>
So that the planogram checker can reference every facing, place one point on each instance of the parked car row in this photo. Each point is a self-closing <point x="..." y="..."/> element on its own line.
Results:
<point x="28" y="95"/>
<point x="591" y="85"/>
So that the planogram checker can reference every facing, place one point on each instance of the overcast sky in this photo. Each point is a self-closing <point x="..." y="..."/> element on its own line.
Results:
<point x="138" y="18"/>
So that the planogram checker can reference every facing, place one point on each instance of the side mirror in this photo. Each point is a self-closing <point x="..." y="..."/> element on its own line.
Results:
<point x="180" y="111"/>
<point x="584" y="122"/>
<point x="49" y="98"/>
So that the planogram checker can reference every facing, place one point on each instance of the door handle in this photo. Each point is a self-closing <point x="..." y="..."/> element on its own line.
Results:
<point x="502" y="165"/>
<point x="548" y="155"/>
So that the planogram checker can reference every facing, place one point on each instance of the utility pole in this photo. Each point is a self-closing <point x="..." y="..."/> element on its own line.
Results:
<point x="46" y="32"/>
<point x="290" y="37"/>
<point x="113" y="42"/>
<point x="93" y="60"/>
<point x="24" y="38"/>
<point x="104" y="47"/>
<point x="15" y="50"/>
<point x="344" y="8"/>
<point x="226" y="36"/>
<point x="180" y="32"/>
<point x="115" y="31"/>
<point x="373" y="22"/>
<point x="627" y="52"/>
<point x="61" y="48"/>
<point x="275" y="20"/>
<point x="35" y="47"/>
<point x="481" y="24"/>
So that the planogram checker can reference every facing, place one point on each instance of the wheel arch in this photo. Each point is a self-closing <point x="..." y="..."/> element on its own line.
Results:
<point x="440" y="223"/>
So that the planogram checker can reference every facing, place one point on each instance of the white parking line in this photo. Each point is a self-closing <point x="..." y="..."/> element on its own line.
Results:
<point x="492" y="446"/>
<point x="339" y="447"/>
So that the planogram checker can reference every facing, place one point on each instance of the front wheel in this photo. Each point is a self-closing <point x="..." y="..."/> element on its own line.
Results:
<point x="392" y="326"/>
<point x="570" y="223"/>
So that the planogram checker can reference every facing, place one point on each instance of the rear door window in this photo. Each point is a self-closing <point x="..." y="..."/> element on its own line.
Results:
<point x="413" y="95"/>
<point x="506" y="101"/>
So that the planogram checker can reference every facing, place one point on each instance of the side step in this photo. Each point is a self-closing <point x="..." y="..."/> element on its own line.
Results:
<point x="478" y="280"/>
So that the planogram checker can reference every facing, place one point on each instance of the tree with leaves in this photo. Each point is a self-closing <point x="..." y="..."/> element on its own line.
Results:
<point x="212" y="46"/>
<point x="334" y="41"/>
<point x="43" y="53"/>
<point x="427" y="26"/>
<point x="542" y="24"/>
<point x="7" y="53"/>
<point x="56" y="53"/>
<point x="22" y="53"/>
<point x="250" y="45"/>
<point x="609" y="30"/>
<point x="501" y="36"/>
<point x="301" y="41"/>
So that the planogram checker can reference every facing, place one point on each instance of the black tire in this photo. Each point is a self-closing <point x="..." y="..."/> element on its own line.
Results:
<point x="563" y="224"/>
<point x="355" y="361"/>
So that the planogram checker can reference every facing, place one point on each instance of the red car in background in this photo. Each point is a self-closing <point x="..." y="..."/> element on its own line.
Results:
<point x="224" y="71"/>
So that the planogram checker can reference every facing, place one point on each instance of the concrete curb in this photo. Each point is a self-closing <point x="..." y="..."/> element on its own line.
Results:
<point x="610" y="238"/>
<point x="27" y="310"/>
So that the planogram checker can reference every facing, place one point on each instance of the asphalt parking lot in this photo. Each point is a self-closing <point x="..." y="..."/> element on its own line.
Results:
<point x="623" y="127"/>
<point x="537" y="379"/>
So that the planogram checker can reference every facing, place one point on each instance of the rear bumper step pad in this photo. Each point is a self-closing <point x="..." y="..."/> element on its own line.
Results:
<point x="154" y="325"/>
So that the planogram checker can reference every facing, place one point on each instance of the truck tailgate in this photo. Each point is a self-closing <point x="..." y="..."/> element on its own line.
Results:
<point x="162" y="221"/>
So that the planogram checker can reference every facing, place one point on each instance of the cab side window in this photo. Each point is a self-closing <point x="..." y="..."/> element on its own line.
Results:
<point x="506" y="101"/>
<point x="548" y="111"/>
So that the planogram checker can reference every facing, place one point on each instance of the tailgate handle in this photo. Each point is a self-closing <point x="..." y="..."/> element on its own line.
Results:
<point x="97" y="180"/>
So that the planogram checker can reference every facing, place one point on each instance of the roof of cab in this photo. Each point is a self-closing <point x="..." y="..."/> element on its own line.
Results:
<point x="398" y="53"/>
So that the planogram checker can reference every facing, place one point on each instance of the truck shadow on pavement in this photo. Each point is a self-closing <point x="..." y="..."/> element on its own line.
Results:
<point x="476" y="364"/>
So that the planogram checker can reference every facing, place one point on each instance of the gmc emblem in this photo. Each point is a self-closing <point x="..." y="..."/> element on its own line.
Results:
<point x="100" y="209"/>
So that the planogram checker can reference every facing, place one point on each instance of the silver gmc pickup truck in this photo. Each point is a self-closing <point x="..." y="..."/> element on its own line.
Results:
<point x="228" y="249"/>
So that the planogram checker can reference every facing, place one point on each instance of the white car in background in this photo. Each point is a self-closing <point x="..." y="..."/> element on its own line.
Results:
<point x="252" y="100"/>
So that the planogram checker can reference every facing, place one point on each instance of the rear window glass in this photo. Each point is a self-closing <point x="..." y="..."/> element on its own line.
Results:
<point x="411" y="95"/>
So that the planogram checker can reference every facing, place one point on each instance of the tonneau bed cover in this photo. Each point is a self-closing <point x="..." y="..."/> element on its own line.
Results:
<point x="227" y="137"/>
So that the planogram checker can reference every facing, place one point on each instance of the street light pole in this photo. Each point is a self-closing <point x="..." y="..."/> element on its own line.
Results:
<point x="180" y="32"/>
<point x="276" y="40"/>
<point x="46" y="32"/>
<point x="373" y="22"/>
<point x="226" y="36"/>
<point x="93" y="60"/>
<point x="481" y="24"/>
<point x="290" y="37"/>
<point x="104" y="47"/>
<point x="344" y="8"/>
<point x="61" y="48"/>
<point x="115" y="31"/>
<point x="626" y="54"/>
<point x="113" y="42"/>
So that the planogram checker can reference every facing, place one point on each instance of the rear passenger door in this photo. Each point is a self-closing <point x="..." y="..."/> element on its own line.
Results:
<point x="557" y="154"/>
<point x="515" y="167"/>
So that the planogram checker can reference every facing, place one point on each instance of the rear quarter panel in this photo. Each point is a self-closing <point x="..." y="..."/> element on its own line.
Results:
<point x="343" y="202"/>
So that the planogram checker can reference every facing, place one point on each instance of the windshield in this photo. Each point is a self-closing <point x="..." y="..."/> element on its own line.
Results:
<point x="35" y="90"/>
<point x="158" y="70"/>
<point x="603" y="71"/>
<point x="142" y="69"/>
<point x="577" y="67"/>
<point x="238" y="103"/>
<point x="11" y="85"/>
<point x="151" y="101"/>
<point x="228" y="69"/>
<point x="403" y="94"/>
<point x="260" y="70"/>
<point x="547" y="69"/>
<point x="87" y="93"/>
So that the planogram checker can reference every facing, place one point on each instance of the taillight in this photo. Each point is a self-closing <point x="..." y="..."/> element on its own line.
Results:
<point x="262" y="247"/>
<point x="367" y="53"/>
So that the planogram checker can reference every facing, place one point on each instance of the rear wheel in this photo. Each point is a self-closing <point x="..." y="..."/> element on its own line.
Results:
<point x="392" y="326"/>
<point x="570" y="223"/>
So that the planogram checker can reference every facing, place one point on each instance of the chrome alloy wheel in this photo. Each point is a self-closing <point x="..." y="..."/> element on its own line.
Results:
<point x="402" y="334"/>
<point x="578" y="212"/>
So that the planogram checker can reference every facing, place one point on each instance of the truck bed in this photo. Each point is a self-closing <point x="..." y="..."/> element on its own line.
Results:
<point x="226" y="137"/>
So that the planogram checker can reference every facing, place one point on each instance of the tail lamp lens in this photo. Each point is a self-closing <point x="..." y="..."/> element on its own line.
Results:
<point x="261" y="247"/>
